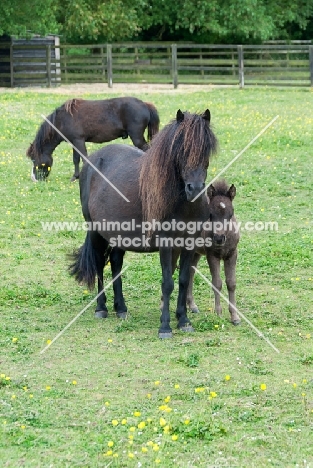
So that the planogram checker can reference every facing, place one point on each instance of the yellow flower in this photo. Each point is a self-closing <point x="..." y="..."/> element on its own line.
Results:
<point x="14" y="340"/>
<point x="114" y="422"/>
<point x="294" y="385"/>
<point x="23" y="427"/>
<point x="176" y="386"/>
<point x="110" y="340"/>
<point x="150" y="443"/>
<point x="132" y="429"/>
<point x="131" y="455"/>
<point x="157" y="460"/>
<point x="110" y="443"/>
<point x="167" y="399"/>
<point x="109" y="452"/>
<point x="31" y="395"/>
<point x="162" y="422"/>
<point x="2" y="376"/>
<point x="174" y="437"/>
<point x="199" y="389"/>
<point x="48" y="341"/>
<point x="166" y="429"/>
<point x="74" y="382"/>
<point x="48" y="387"/>
<point x="106" y="403"/>
<point x="124" y="421"/>
<point x="149" y="395"/>
<point x="227" y="377"/>
<point x="156" y="447"/>
<point x="115" y="455"/>
<point x="141" y="425"/>
<point x="263" y="386"/>
<point x="187" y="421"/>
<point x="144" y="449"/>
<point x="13" y="397"/>
<point x="213" y="394"/>
<point x="137" y="414"/>
<point x="157" y="382"/>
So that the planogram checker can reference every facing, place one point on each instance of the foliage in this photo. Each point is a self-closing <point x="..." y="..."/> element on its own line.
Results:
<point x="199" y="21"/>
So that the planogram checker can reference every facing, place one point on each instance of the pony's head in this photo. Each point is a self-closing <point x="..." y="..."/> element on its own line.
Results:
<point x="42" y="163"/>
<point x="176" y="167"/>
<point x="221" y="211"/>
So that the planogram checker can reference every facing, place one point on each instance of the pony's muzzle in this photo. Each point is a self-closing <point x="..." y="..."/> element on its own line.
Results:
<point x="219" y="240"/>
<point x="192" y="190"/>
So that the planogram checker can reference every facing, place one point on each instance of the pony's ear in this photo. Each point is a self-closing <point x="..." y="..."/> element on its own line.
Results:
<point x="179" y="116"/>
<point x="231" y="192"/>
<point x="207" y="115"/>
<point x="211" y="191"/>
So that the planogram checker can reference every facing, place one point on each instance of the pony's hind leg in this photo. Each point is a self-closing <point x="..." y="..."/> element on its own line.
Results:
<point x="79" y="148"/>
<point x="116" y="260"/>
<point x="102" y="249"/>
<point x="230" y="275"/>
<point x="190" y="299"/>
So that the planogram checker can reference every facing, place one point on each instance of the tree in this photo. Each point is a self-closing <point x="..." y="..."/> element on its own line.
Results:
<point x="19" y="17"/>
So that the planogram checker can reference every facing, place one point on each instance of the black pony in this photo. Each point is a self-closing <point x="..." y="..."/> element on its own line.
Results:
<point x="95" y="121"/>
<point x="160" y="214"/>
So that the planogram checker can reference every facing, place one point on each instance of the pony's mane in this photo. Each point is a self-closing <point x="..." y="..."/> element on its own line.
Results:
<point x="47" y="133"/>
<point x="71" y="105"/>
<point x="180" y="144"/>
<point x="221" y="187"/>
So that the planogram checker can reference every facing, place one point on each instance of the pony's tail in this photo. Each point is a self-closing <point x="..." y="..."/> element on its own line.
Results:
<point x="154" y="122"/>
<point x="84" y="263"/>
<point x="45" y="133"/>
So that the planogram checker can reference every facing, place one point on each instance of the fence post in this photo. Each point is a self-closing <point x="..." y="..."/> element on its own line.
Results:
<point x="311" y="63"/>
<point x="109" y="65"/>
<point x="11" y="66"/>
<point x="174" y="65"/>
<point x="102" y="62"/>
<point x="241" y="67"/>
<point x="48" y="64"/>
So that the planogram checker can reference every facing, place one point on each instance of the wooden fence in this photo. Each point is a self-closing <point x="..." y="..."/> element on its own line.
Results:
<point x="268" y="64"/>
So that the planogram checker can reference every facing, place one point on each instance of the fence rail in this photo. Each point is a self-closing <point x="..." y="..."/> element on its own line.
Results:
<point x="50" y="65"/>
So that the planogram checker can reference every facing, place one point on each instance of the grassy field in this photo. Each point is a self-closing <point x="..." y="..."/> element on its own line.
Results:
<point x="110" y="393"/>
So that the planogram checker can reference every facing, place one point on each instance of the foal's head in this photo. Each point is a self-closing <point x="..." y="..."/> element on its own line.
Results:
<point x="221" y="211"/>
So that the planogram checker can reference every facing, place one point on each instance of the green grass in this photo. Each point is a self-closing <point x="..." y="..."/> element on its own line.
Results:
<point x="57" y="408"/>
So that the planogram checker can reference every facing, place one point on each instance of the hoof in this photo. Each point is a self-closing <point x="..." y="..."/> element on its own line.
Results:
<point x="195" y="310"/>
<point x="187" y="328"/>
<point x="121" y="315"/>
<point x="165" y="335"/>
<point x="101" y="314"/>
<point x="236" y="322"/>
<point x="74" y="178"/>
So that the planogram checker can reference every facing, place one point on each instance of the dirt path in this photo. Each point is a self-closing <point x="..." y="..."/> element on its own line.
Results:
<point x="124" y="88"/>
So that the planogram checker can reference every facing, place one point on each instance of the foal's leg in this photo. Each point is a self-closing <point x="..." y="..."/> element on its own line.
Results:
<point x="184" y="323"/>
<point x="165" y="330"/>
<point x="116" y="260"/>
<point x="190" y="299"/>
<point x="230" y="275"/>
<point x="214" y="264"/>
<point x="81" y="147"/>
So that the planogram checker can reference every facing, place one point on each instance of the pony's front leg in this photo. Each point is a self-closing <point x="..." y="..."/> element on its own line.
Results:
<point x="186" y="258"/>
<point x="165" y="330"/>
<point x="214" y="264"/>
<point x="190" y="299"/>
<point x="79" y="148"/>
<point x="230" y="275"/>
<point x="116" y="260"/>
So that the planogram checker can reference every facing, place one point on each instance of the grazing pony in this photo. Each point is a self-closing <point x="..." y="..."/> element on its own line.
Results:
<point x="160" y="186"/>
<point x="95" y="121"/>
<point x="224" y="234"/>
